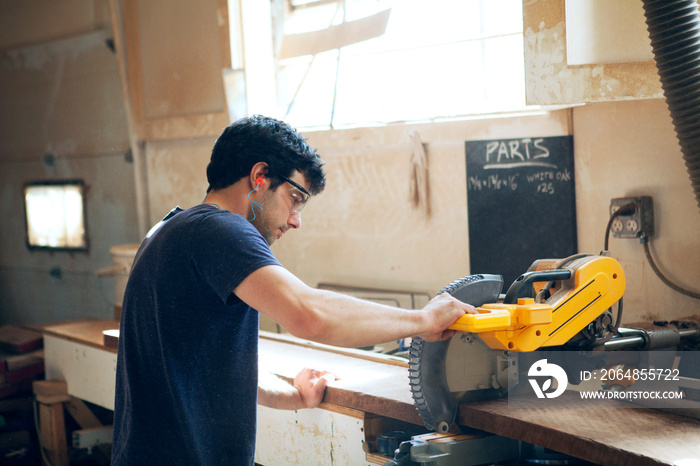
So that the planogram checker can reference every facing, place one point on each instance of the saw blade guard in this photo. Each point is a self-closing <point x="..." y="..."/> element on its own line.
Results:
<point x="436" y="403"/>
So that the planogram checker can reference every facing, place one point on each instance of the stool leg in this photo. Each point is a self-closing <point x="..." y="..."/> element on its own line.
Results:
<point x="52" y="434"/>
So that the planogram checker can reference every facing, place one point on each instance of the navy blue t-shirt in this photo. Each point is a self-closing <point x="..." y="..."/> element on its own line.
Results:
<point x="187" y="365"/>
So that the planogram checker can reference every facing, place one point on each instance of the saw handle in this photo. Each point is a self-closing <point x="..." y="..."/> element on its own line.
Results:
<point x="483" y="321"/>
<point x="522" y="287"/>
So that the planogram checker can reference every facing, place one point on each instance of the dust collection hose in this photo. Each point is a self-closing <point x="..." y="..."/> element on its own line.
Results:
<point x="674" y="30"/>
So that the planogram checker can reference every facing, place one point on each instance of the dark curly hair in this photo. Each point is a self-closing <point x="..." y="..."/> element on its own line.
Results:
<point x="258" y="138"/>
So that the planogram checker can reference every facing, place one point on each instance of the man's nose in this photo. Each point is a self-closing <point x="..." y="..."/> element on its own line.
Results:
<point x="294" y="220"/>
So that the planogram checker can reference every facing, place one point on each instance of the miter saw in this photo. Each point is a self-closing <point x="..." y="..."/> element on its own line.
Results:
<point x="557" y="309"/>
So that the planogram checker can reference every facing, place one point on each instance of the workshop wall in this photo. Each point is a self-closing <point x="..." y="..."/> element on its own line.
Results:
<point x="62" y="113"/>
<point x="62" y="118"/>
<point x="364" y="231"/>
<point x="630" y="149"/>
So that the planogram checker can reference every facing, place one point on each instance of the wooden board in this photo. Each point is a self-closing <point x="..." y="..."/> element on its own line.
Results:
<point x="19" y="340"/>
<point x="371" y="386"/>
<point x="618" y="435"/>
<point x="12" y="362"/>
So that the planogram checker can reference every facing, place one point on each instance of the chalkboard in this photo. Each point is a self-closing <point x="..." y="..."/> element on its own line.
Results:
<point x="521" y="203"/>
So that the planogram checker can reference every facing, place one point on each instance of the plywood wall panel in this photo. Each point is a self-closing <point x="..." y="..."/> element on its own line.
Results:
<point x="176" y="52"/>
<point x="31" y="22"/>
<point x="180" y="59"/>
<point x="62" y="98"/>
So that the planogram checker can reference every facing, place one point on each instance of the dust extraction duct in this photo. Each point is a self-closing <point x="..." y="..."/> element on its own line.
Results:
<point x="674" y="30"/>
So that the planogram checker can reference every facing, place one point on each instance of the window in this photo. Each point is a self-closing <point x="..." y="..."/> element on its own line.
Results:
<point x="55" y="215"/>
<point x="437" y="59"/>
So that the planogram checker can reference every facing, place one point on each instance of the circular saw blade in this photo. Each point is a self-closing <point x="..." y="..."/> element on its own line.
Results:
<point x="427" y="374"/>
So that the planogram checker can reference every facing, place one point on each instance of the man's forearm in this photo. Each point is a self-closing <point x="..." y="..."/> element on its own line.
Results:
<point x="306" y="391"/>
<point x="274" y="392"/>
<point x="342" y="320"/>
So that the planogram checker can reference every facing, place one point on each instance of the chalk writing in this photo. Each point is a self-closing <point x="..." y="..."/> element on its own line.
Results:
<point x="546" y="188"/>
<point x="517" y="153"/>
<point x="496" y="182"/>
<point x="544" y="179"/>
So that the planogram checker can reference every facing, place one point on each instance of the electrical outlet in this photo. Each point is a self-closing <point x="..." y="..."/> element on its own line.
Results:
<point x="638" y="224"/>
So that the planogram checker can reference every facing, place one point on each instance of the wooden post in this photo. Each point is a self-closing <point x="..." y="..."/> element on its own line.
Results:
<point x="52" y="434"/>
<point x="50" y="396"/>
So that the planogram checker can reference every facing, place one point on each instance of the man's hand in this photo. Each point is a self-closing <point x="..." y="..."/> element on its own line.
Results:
<point x="306" y="391"/>
<point x="444" y="310"/>
<point x="311" y="385"/>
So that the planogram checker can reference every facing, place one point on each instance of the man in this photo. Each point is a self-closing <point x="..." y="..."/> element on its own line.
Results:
<point x="187" y="375"/>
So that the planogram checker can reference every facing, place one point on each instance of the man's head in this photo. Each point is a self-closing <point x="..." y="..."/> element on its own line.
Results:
<point x="255" y="139"/>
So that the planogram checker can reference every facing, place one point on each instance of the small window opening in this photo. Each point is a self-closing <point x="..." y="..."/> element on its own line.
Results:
<point x="55" y="215"/>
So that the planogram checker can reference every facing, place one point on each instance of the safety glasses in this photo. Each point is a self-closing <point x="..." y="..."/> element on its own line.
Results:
<point x="300" y="196"/>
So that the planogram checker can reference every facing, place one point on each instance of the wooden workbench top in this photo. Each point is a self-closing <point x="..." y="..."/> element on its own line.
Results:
<point x="367" y="382"/>
<point x="372" y="383"/>
<point x="615" y="435"/>
<point x="87" y="332"/>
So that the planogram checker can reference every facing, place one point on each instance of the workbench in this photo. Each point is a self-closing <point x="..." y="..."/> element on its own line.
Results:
<point x="372" y="396"/>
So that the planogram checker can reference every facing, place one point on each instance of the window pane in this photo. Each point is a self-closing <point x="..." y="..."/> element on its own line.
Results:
<point x="440" y="81"/>
<point x="314" y="99"/>
<point x="442" y="58"/>
<point x="504" y="74"/>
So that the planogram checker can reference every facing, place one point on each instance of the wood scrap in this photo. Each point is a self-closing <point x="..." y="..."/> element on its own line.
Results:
<point x="12" y="362"/>
<point x="50" y="391"/>
<point x="23" y="373"/>
<point x="19" y="340"/>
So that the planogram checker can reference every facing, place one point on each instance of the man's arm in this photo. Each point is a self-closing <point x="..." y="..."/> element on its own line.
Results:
<point x="340" y="320"/>
<point x="306" y="391"/>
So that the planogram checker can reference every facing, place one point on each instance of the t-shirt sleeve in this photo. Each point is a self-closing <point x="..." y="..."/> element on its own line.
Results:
<point x="226" y="248"/>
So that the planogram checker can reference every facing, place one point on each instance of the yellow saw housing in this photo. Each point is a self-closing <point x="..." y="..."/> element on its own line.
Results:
<point x="585" y="288"/>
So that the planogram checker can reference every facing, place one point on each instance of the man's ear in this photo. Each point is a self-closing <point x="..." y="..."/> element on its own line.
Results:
<point x="258" y="174"/>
